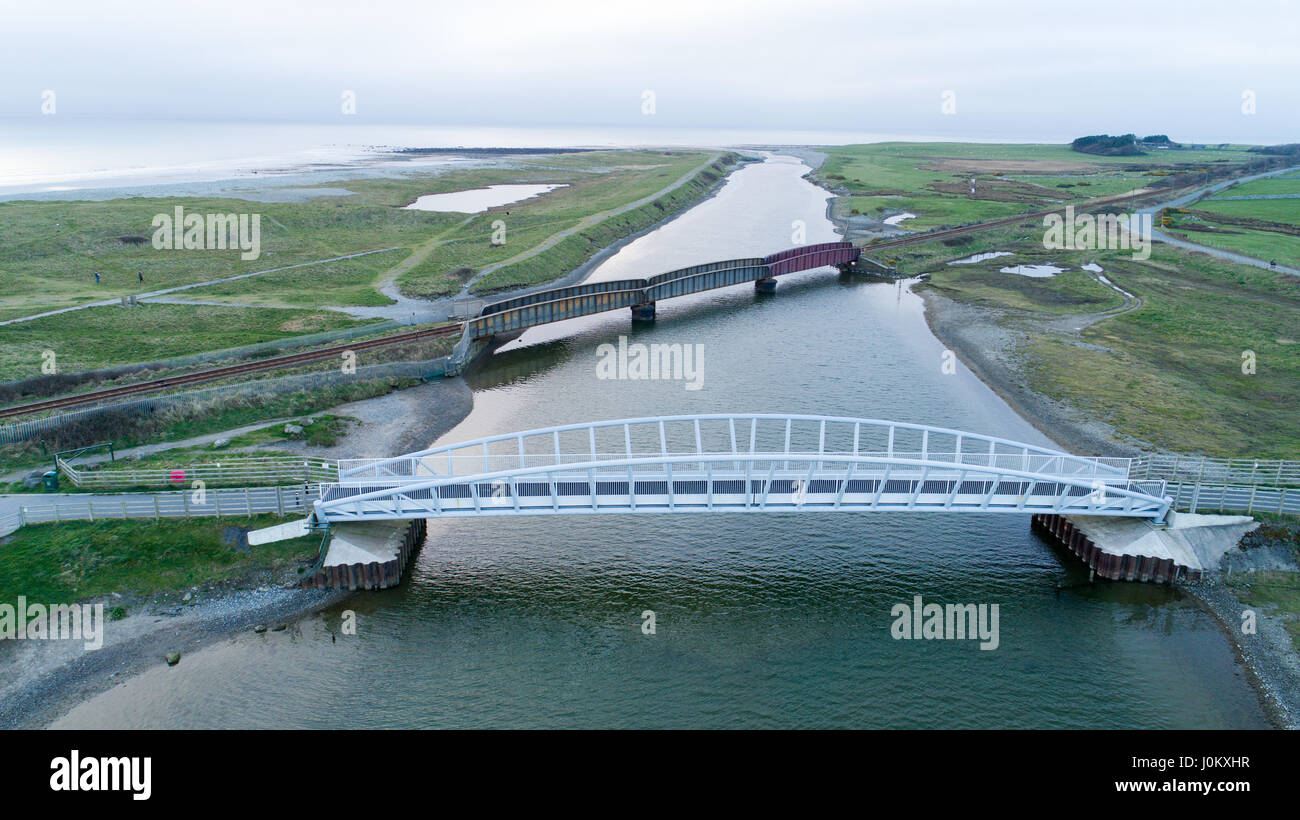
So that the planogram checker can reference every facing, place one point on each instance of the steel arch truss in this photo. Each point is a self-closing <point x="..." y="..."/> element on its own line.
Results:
<point x="737" y="463"/>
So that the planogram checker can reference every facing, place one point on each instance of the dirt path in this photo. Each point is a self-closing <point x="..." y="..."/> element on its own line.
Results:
<point x="587" y="222"/>
<point x="165" y="291"/>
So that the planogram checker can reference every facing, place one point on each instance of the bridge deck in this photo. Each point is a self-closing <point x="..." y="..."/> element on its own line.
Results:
<point x="737" y="463"/>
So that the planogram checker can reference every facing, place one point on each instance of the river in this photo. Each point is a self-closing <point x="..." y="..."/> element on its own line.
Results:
<point x="775" y="620"/>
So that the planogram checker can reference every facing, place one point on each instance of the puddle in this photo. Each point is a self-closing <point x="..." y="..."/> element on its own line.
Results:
<point x="980" y="257"/>
<point x="1035" y="271"/>
<point x="478" y="200"/>
<point x="898" y="218"/>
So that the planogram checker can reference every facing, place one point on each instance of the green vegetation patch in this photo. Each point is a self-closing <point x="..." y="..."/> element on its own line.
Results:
<point x="575" y="249"/>
<point x="103" y="336"/>
<point x="1267" y="245"/>
<point x="1273" y="186"/>
<point x="77" y="560"/>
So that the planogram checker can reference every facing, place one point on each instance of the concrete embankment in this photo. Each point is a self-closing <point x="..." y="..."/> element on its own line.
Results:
<point x="370" y="555"/>
<point x="1134" y="549"/>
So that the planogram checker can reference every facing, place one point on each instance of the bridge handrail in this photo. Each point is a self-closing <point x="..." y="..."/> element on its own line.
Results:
<point x="358" y="470"/>
<point x="1245" y="471"/>
<point x="584" y="469"/>
<point x="732" y="417"/>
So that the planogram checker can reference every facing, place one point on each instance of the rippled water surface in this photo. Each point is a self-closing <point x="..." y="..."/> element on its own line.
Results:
<point x="773" y="620"/>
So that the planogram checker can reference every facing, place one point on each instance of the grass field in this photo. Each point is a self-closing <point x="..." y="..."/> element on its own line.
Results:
<point x="1283" y="184"/>
<point x="102" y="336"/>
<point x="1284" y="211"/>
<point x="78" y="560"/>
<point x="51" y="251"/>
<point x="1169" y="372"/>
<point x="932" y="180"/>
<point x="1266" y="245"/>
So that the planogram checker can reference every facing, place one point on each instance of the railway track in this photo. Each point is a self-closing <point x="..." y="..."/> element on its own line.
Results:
<point x="215" y="373"/>
<point x="276" y="362"/>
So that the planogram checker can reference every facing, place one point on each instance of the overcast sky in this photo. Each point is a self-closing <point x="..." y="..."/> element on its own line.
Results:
<point x="1031" y="69"/>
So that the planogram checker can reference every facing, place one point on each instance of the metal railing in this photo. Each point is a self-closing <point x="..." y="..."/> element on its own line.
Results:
<point x="741" y="483"/>
<point x="1216" y="498"/>
<point x="716" y="436"/>
<point x="247" y="501"/>
<point x="1241" y="471"/>
<point x="270" y="470"/>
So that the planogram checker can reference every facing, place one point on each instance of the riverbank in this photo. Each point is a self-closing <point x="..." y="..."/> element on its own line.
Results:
<point x="1269" y="656"/>
<point x="44" y="680"/>
<point x="48" y="679"/>
<point x="992" y="348"/>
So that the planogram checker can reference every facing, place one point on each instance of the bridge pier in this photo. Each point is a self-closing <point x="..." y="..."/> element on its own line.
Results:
<point x="370" y="555"/>
<point x="644" y="312"/>
<point x="765" y="285"/>
<point x="1130" y="549"/>
<point x="865" y="266"/>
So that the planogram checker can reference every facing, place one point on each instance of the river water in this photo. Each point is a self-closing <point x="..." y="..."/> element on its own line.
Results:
<point x="773" y="620"/>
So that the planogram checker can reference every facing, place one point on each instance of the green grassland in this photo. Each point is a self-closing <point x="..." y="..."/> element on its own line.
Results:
<point x="585" y="205"/>
<point x="79" y="560"/>
<point x="933" y="210"/>
<point x="932" y="180"/>
<point x="1168" y="372"/>
<point x="52" y="249"/>
<point x="100" y="336"/>
<point x="1166" y="367"/>
<point x="1285" y="211"/>
<point x="1273" y="186"/>
<point x="343" y="283"/>
<point x="1266" y="245"/>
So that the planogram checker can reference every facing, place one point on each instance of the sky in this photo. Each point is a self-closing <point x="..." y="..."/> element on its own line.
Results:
<point x="1192" y="69"/>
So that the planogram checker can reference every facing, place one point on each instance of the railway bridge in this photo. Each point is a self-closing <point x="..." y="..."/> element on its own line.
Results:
<point x="512" y="316"/>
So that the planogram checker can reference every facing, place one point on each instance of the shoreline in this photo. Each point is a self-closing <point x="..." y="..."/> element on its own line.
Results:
<point x="47" y="679"/>
<point x="1269" y="658"/>
<point x="972" y="333"/>
<point x="51" y="683"/>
